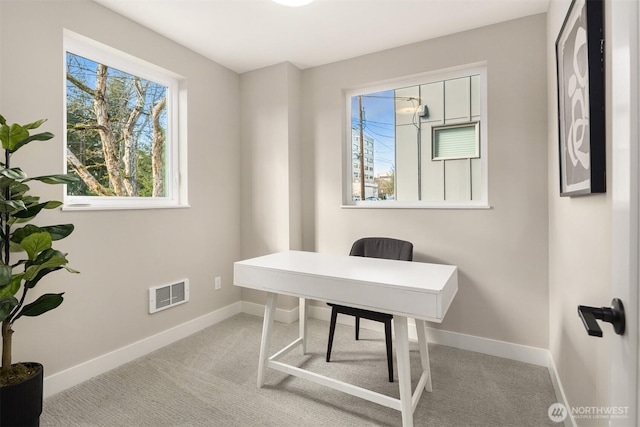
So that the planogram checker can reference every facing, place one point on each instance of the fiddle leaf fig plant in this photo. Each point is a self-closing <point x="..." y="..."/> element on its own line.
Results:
<point x="27" y="254"/>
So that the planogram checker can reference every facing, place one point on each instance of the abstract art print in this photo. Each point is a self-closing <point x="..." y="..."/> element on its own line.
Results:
<point x="581" y="115"/>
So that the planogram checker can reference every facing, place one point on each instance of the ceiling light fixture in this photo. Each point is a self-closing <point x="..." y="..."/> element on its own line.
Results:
<point x="293" y="3"/>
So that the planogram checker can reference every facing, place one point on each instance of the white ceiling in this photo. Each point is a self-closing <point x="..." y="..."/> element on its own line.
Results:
<point x="245" y="35"/>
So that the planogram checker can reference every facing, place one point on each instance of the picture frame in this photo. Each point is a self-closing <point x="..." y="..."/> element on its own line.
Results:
<point x="581" y="103"/>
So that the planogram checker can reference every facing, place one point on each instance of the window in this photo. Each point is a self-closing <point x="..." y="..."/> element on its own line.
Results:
<point x="423" y="141"/>
<point x="125" y="136"/>
<point x="455" y="142"/>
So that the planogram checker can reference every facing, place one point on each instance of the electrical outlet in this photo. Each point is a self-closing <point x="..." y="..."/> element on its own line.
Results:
<point x="218" y="283"/>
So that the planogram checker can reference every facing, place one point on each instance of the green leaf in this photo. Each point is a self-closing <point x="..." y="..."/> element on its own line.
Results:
<point x="47" y="262"/>
<point x="34" y="269"/>
<point x="15" y="247"/>
<point x="2" y="120"/>
<point x="45" y="256"/>
<point x="52" y="204"/>
<point x="56" y="179"/>
<point x="5" y="276"/>
<point x="32" y="211"/>
<point x="5" y="182"/>
<point x="57" y="232"/>
<point x="35" y="243"/>
<point x="44" y="136"/>
<point x="14" y="173"/>
<point x="12" y="205"/>
<point x="13" y="286"/>
<point x="18" y="189"/>
<point x="12" y="135"/>
<point x="71" y="270"/>
<point x="30" y="200"/>
<point x="6" y="305"/>
<point x="34" y="124"/>
<point x="23" y="232"/>
<point x="43" y="304"/>
<point x="41" y="273"/>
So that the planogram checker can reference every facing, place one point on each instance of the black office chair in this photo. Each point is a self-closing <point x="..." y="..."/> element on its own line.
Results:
<point x="375" y="247"/>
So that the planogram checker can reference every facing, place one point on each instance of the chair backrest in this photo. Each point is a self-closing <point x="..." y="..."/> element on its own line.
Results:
<point x="383" y="247"/>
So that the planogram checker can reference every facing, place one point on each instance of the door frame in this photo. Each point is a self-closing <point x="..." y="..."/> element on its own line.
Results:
<point x="623" y="48"/>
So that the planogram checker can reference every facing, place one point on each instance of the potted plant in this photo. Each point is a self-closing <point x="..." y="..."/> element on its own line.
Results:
<point x="26" y="257"/>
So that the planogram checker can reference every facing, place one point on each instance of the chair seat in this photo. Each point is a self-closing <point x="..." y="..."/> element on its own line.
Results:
<point x="365" y="314"/>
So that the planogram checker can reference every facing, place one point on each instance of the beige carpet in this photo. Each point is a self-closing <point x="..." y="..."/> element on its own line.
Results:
<point x="209" y="379"/>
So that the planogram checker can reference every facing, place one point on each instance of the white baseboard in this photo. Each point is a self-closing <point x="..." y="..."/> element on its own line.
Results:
<point x="282" y="315"/>
<point x="101" y="364"/>
<point x="560" y="396"/>
<point x="522" y="353"/>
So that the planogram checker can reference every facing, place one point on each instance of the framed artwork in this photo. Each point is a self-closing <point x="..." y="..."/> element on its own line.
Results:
<point x="581" y="114"/>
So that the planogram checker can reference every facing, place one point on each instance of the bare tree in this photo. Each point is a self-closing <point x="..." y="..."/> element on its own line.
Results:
<point x="86" y="176"/>
<point x="130" y="142"/>
<point x="117" y="127"/>
<point x="109" y="143"/>
<point x="157" y="149"/>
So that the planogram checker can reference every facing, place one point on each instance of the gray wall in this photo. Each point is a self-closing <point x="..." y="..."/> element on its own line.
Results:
<point x="502" y="253"/>
<point x="123" y="253"/>
<point x="270" y="140"/>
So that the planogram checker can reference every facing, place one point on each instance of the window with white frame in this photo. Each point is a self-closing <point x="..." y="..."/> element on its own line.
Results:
<point x="423" y="141"/>
<point x="125" y="129"/>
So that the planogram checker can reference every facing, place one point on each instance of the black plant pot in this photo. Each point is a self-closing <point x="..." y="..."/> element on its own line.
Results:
<point x="21" y="404"/>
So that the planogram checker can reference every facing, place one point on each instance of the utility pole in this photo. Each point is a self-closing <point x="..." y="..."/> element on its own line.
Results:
<point x="362" y="197"/>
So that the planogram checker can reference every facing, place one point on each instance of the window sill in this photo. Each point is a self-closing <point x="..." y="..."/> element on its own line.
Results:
<point x="89" y="207"/>
<point x="414" y="205"/>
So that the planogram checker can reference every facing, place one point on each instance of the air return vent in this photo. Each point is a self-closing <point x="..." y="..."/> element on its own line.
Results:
<point x="166" y="296"/>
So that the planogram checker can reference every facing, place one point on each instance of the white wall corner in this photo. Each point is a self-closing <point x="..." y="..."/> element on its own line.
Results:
<point x="560" y="395"/>
<point x="77" y="374"/>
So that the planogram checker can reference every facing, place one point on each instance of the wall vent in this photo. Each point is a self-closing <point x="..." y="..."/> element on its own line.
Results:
<point x="162" y="297"/>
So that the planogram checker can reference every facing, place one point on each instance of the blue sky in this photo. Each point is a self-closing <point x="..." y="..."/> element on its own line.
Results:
<point x="379" y="124"/>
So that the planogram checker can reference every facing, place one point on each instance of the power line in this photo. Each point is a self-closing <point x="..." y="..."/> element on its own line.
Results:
<point x="379" y="124"/>
<point x="379" y="134"/>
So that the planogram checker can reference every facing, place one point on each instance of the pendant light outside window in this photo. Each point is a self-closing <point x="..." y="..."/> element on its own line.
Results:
<point x="293" y="3"/>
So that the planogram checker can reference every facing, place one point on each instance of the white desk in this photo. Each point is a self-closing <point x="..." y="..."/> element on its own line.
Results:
<point x="405" y="289"/>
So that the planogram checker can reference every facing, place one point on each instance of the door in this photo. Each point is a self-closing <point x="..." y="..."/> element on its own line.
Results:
<point x="623" y="47"/>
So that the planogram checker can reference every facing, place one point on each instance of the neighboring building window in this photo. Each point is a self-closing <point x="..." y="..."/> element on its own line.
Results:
<point x="424" y="141"/>
<point x="456" y="142"/>
<point x="369" y="183"/>
<point x="123" y="138"/>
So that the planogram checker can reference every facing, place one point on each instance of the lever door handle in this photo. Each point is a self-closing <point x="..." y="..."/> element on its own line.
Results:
<point x="613" y="315"/>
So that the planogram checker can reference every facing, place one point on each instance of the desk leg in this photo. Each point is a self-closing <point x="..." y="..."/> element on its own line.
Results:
<point x="404" y="369"/>
<point x="302" y="320"/>
<point x="421" y="329"/>
<point x="267" y="326"/>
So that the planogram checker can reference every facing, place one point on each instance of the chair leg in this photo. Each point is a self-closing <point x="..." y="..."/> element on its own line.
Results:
<point x="387" y="333"/>
<point x="332" y="329"/>
<point x="357" y="328"/>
